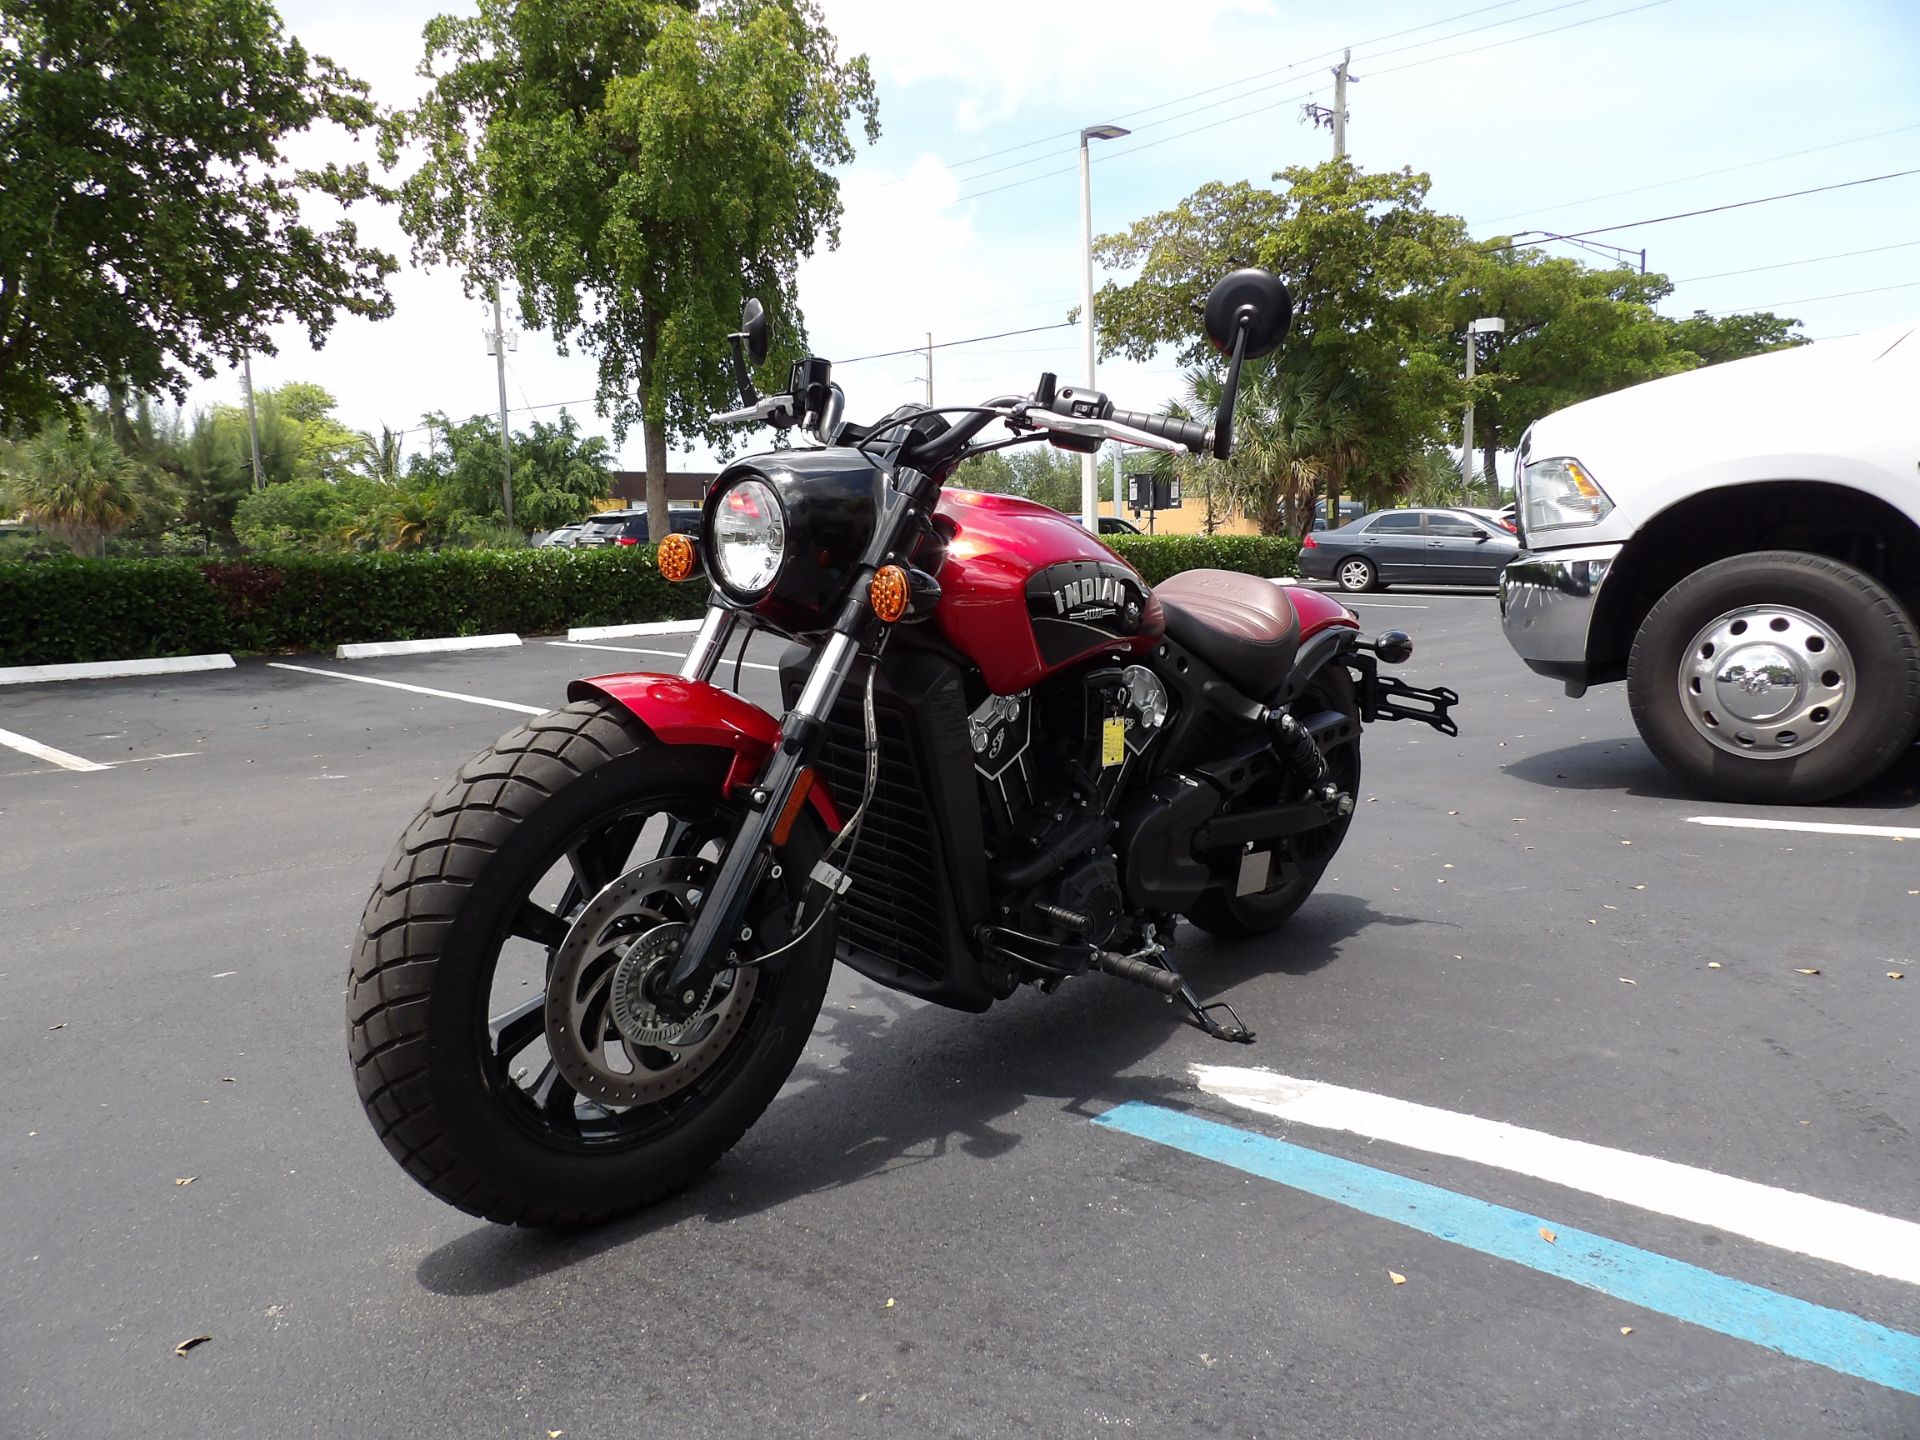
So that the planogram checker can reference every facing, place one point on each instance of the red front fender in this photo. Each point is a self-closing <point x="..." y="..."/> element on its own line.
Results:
<point x="693" y="712"/>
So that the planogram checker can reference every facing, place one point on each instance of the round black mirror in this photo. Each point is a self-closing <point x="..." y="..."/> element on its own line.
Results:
<point x="1255" y="298"/>
<point x="759" y="333"/>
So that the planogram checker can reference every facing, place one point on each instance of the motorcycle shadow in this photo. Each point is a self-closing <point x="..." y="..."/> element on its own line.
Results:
<point x="889" y="1083"/>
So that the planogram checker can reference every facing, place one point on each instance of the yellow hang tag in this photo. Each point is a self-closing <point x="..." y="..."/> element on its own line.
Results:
<point x="1113" y="740"/>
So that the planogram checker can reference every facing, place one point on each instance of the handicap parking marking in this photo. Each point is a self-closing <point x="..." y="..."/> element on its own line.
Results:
<point x="668" y="654"/>
<point x="1835" y="1339"/>
<point x="64" y="759"/>
<point x="414" y="689"/>
<point x="1805" y="827"/>
<point x="1785" y="1219"/>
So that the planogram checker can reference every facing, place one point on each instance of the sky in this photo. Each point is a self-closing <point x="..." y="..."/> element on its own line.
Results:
<point x="964" y="220"/>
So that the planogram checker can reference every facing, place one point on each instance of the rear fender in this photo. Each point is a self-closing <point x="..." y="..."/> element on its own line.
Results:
<point x="676" y="711"/>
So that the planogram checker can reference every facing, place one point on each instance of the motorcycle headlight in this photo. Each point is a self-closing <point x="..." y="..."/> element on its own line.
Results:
<point x="1558" y="493"/>
<point x="749" y="537"/>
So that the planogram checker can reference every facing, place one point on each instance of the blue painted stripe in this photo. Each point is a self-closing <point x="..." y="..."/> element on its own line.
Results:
<point x="1832" y="1338"/>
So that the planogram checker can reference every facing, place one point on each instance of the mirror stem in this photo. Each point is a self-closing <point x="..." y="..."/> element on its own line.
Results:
<point x="741" y="375"/>
<point x="1229" y="392"/>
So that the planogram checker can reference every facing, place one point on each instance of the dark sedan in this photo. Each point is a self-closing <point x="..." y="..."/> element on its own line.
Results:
<point x="1431" y="547"/>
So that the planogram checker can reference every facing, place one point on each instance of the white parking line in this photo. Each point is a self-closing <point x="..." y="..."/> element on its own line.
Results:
<point x="636" y="650"/>
<point x="46" y="752"/>
<point x="1823" y="1229"/>
<point x="1385" y="605"/>
<point x="1804" y="827"/>
<point x="415" y="689"/>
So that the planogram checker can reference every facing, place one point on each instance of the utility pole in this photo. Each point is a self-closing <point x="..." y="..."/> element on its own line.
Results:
<point x="253" y="420"/>
<point x="1119" y="500"/>
<point x="1486" y="325"/>
<point x="497" y="342"/>
<point x="1340" y="78"/>
<point x="929" y="369"/>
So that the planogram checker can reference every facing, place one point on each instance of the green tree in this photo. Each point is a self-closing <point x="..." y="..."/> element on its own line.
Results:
<point x="1712" y="339"/>
<point x="1368" y="265"/>
<point x="78" y="484"/>
<point x="149" y="224"/>
<point x="635" y="169"/>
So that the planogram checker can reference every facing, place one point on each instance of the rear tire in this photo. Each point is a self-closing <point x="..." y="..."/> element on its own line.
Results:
<point x="424" y="1007"/>
<point x="1711" y="647"/>
<point x="1356" y="574"/>
<point x="1302" y="859"/>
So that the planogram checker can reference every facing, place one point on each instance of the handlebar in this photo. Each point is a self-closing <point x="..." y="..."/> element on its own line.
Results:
<point x="1190" y="434"/>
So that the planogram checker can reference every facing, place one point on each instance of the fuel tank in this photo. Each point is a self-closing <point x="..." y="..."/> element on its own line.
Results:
<point x="1025" y="592"/>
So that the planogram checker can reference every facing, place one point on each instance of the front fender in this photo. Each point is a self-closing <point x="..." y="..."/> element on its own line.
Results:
<point x="677" y="711"/>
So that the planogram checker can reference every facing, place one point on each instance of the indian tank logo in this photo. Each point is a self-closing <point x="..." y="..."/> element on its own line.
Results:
<point x="1093" y="598"/>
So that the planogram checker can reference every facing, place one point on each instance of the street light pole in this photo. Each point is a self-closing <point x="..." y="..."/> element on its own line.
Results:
<point x="1089" y="475"/>
<point x="1486" y="325"/>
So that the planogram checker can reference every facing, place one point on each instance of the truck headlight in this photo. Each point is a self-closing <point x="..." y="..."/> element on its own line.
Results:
<point x="1557" y="493"/>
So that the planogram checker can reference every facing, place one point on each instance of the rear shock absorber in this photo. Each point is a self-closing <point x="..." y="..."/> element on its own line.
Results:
<point x="1301" y="756"/>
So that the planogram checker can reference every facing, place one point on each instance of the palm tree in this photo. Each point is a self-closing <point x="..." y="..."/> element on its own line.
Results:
<point x="79" y="485"/>
<point x="379" y="459"/>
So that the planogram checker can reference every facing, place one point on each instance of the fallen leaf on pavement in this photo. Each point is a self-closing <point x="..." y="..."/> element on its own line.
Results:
<point x="1593" y="922"/>
<point x="1639" y="887"/>
<point x="1453" y="812"/>
<point x="61" y="1026"/>
<point x="228" y="1079"/>
<point x="1396" y="1277"/>
<point x="1625" y="981"/>
<point x="1713" y="965"/>
<point x="1547" y="1235"/>
<point x="186" y="1179"/>
<point x="1896" y="974"/>
<point x="1626" y="842"/>
<point x="190" y="1342"/>
<point x="889" y="1304"/>
<point x="1626" y="1329"/>
<point x="1814" y="971"/>
<point x="1208" y="1360"/>
<point x="556" y="1434"/>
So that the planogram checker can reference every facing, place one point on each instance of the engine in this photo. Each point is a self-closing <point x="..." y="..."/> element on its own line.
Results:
<point x="1050" y="762"/>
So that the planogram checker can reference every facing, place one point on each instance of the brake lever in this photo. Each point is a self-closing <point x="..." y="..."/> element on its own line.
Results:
<point x="770" y="409"/>
<point x="1099" y="430"/>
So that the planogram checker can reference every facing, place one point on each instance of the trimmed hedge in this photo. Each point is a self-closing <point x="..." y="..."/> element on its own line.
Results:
<point x="67" y="610"/>
<point x="56" y="611"/>
<point x="1158" y="556"/>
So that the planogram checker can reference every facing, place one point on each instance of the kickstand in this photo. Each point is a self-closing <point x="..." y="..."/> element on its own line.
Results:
<point x="1202" y="1015"/>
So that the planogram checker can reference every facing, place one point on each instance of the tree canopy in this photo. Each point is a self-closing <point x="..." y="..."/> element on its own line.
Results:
<point x="150" y="225"/>
<point x="636" y="169"/>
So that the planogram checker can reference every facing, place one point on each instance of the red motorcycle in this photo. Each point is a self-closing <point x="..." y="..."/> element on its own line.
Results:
<point x="595" y="956"/>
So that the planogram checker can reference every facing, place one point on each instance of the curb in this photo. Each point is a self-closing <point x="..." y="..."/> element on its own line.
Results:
<point x="367" y="650"/>
<point x="621" y="632"/>
<point x="113" y="669"/>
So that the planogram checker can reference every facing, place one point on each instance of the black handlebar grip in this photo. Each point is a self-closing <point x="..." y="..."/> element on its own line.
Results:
<point x="1190" y="433"/>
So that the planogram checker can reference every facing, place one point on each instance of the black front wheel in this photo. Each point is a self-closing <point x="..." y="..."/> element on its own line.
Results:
<point x="500" y="1035"/>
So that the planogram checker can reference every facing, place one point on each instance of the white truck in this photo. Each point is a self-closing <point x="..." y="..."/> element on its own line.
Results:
<point x="1741" y="545"/>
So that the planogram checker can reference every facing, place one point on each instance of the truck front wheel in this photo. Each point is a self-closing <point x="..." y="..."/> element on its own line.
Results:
<point x="1776" y="678"/>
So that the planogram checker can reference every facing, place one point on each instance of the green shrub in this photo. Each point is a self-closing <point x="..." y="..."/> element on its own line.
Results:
<point x="54" y="611"/>
<point x="1158" y="556"/>
<point x="57" y="611"/>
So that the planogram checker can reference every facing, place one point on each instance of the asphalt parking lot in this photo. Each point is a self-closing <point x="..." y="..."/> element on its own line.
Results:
<point x="1016" y="1224"/>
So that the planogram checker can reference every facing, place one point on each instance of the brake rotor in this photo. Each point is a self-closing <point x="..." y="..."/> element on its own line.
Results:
<point x="605" y="1037"/>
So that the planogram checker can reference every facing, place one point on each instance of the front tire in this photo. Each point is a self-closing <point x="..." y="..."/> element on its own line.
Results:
<point x="1300" y="860"/>
<point x="459" y="1065"/>
<point x="1776" y="678"/>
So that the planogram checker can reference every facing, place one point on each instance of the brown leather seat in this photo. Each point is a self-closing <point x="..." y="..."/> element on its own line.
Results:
<point x="1243" y="626"/>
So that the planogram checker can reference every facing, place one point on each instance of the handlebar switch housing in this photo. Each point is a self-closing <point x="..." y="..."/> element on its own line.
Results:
<point x="1082" y="403"/>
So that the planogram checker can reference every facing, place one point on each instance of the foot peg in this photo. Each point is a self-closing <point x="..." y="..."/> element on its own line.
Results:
<point x="1151" y="967"/>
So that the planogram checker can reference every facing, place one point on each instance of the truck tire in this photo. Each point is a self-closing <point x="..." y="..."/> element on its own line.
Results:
<point x="1776" y="678"/>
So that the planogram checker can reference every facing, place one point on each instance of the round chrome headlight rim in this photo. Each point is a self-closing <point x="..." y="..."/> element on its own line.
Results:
<point x="747" y="580"/>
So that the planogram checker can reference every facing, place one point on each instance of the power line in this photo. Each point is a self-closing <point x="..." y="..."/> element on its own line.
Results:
<point x="1709" y="210"/>
<point x="1789" y="264"/>
<point x="1111" y="152"/>
<point x="970" y="340"/>
<point x="1815" y="299"/>
<point x="1701" y="175"/>
<point x="1230" y="84"/>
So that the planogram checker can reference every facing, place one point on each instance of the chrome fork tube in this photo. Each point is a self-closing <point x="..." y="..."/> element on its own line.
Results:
<point x="830" y="671"/>
<point x="715" y="631"/>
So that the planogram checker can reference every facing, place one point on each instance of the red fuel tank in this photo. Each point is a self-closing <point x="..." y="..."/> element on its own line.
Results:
<point x="1025" y="592"/>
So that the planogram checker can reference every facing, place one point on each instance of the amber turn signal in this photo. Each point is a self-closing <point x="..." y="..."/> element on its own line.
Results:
<point x="677" y="558"/>
<point x="889" y="593"/>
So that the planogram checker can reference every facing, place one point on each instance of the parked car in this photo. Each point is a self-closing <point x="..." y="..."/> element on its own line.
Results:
<point x="564" y="538"/>
<point x="629" y="527"/>
<point x="1435" y="547"/>
<point x="1111" y="525"/>
<point x="1741" y="545"/>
